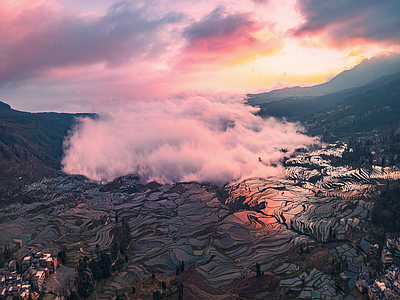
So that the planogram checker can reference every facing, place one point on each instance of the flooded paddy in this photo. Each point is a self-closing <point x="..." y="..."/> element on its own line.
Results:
<point x="257" y="220"/>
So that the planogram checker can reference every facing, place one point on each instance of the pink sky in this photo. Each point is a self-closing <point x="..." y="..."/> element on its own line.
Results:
<point x="72" y="55"/>
<point x="168" y="78"/>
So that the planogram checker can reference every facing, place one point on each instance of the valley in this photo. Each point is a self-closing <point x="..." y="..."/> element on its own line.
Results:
<point x="220" y="233"/>
<point x="307" y="233"/>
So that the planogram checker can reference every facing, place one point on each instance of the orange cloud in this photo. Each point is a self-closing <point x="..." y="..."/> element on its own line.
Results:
<point x="222" y="38"/>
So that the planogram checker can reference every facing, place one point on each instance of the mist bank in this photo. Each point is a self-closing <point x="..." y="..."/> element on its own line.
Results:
<point x="210" y="138"/>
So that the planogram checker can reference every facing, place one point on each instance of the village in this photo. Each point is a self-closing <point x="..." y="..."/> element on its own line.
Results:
<point x="384" y="283"/>
<point x="381" y="281"/>
<point x="24" y="280"/>
<point x="220" y="239"/>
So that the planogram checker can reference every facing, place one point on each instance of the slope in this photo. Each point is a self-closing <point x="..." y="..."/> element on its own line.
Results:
<point x="366" y="71"/>
<point x="30" y="146"/>
<point x="374" y="106"/>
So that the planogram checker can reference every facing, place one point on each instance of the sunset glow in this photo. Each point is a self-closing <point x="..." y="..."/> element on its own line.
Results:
<point x="77" y="56"/>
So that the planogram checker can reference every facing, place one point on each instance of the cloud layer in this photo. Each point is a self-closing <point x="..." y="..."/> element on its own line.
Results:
<point x="225" y="38"/>
<point x="57" y="53"/>
<point x="42" y="37"/>
<point x="211" y="138"/>
<point x="344" y="22"/>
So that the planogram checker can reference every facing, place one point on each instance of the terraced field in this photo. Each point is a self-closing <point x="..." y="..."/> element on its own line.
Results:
<point x="257" y="220"/>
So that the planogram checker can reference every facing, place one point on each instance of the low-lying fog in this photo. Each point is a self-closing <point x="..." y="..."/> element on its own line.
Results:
<point x="211" y="138"/>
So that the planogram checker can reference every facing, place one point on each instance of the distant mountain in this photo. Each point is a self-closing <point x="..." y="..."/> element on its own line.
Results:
<point x="366" y="71"/>
<point x="374" y="106"/>
<point x="30" y="146"/>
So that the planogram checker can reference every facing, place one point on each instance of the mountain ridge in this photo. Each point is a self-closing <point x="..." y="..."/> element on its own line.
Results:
<point x="31" y="146"/>
<point x="365" y="72"/>
<point x="374" y="106"/>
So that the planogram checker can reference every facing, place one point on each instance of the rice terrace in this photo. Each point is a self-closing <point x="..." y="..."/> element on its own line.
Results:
<point x="199" y="150"/>
<point x="220" y="233"/>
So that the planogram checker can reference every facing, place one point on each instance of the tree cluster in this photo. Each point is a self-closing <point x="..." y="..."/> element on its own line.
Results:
<point x="5" y="256"/>
<point x="62" y="256"/>
<point x="258" y="270"/>
<point x="84" y="280"/>
<point x="101" y="267"/>
<point x="180" y="290"/>
<point x="180" y="268"/>
<point x="386" y="211"/>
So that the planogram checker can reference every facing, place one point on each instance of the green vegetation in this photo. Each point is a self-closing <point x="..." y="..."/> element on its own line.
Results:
<point x="355" y="293"/>
<point x="386" y="211"/>
<point x="62" y="256"/>
<point x="90" y="273"/>
<point x="325" y="260"/>
<point x="145" y="291"/>
<point x="48" y="296"/>
<point x="5" y="255"/>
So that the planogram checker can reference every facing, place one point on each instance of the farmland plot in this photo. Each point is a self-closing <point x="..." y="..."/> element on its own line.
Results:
<point x="258" y="219"/>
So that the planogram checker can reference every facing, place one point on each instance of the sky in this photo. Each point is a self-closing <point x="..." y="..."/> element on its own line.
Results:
<point x="88" y="56"/>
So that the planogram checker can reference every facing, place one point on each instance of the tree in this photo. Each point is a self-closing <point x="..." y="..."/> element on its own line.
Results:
<point x="85" y="261"/>
<point x="258" y="270"/>
<point x="121" y="297"/>
<point x="6" y="253"/>
<point x="156" y="295"/>
<point x="85" y="285"/>
<point x="104" y="264"/>
<point x="81" y="266"/>
<point x="115" y="250"/>
<point x="62" y="256"/>
<point x="386" y="210"/>
<point x="182" y="266"/>
<point x="73" y="296"/>
<point x="101" y="268"/>
<point x="118" y="265"/>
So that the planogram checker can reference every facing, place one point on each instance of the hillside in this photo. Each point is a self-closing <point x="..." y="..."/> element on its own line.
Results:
<point x="374" y="106"/>
<point x="367" y="71"/>
<point x="30" y="146"/>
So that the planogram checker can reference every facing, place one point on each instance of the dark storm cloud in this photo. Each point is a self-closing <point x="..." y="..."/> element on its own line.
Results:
<point x="42" y="38"/>
<point x="343" y="21"/>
